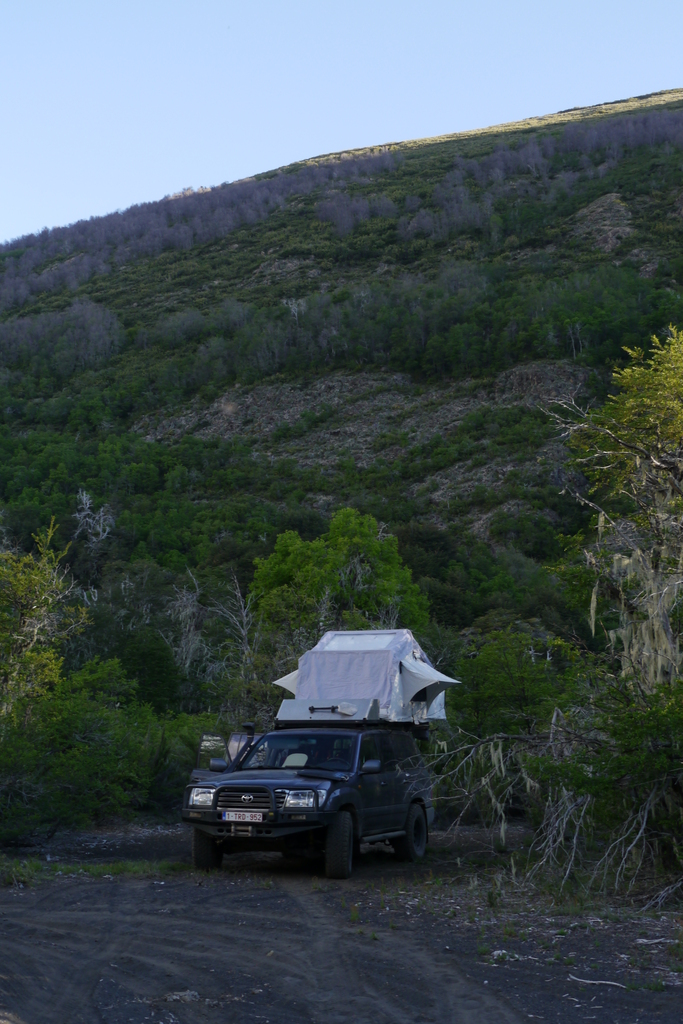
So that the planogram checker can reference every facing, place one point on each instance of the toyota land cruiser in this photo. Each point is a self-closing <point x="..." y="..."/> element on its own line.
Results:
<point x="324" y="788"/>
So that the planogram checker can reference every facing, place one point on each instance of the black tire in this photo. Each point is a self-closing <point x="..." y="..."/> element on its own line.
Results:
<point x="413" y="844"/>
<point x="339" y="846"/>
<point x="207" y="854"/>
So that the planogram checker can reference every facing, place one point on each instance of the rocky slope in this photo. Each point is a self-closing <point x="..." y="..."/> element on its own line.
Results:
<point x="384" y="417"/>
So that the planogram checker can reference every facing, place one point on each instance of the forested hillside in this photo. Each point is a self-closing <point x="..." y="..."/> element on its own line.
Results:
<point x="361" y="347"/>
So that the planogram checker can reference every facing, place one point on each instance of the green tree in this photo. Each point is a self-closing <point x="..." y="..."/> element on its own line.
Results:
<point x="147" y="658"/>
<point x="38" y="612"/>
<point x="77" y="756"/>
<point x="512" y="683"/>
<point x="632" y="451"/>
<point x="352" y="577"/>
<point x="107" y="681"/>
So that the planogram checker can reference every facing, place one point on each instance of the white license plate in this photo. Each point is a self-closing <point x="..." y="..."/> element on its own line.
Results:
<point x="242" y="816"/>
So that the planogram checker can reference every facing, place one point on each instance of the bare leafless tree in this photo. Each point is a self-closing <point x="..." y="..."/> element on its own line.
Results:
<point x="295" y="307"/>
<point x="94" y="525"/>
<point x="187" y="614"/>
<point x="242" y="632"/>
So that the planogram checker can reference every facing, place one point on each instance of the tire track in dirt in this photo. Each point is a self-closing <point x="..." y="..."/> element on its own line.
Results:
<point x="231" y="949"/>
<point x="392" y="979"/>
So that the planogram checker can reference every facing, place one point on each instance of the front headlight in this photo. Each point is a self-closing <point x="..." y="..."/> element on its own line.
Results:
<point x="201" y="798"/>
<point x="300" y="798"/>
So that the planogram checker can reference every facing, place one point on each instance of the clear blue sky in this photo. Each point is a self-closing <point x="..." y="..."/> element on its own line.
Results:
<point x="107" y="104"/>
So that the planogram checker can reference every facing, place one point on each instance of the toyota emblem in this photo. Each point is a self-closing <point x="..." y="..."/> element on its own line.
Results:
<point x="247" y="798"/>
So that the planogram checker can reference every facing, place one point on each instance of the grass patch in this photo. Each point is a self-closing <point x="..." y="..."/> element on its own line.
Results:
<point x="119" y="868"/>
<point x="32" y="871"/>
<point x="18" y="873"/>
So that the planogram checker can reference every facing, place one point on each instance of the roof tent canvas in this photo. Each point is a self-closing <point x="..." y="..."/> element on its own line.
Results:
<point x="386" y="665"/>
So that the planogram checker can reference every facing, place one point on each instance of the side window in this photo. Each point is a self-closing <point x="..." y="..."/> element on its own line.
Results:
<point x="389" y="760"/>
<point x="405" y="751"/>
<point x="368" y="749"/>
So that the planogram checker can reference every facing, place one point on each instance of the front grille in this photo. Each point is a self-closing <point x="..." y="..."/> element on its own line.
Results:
<point x="280" y="797"/>
<point x="230" y="799"/>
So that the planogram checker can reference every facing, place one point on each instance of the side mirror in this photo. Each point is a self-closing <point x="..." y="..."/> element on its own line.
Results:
<point x="371" y="768"/>
<point x="217" y="764"/>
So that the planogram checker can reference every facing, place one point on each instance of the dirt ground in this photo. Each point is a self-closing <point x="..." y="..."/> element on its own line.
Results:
<point x="271" y="940"/>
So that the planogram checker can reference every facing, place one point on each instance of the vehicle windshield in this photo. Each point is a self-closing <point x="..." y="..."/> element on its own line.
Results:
<point x="328" y="750"/>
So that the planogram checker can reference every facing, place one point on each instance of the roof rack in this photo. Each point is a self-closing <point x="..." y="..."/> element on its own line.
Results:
<point x="304" y="712"/>
<point x="299" y="714"/>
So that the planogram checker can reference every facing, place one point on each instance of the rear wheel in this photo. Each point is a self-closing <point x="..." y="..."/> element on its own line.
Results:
<point x="339" y="846"/>
<point x="413" y="844"/>
<point x="207" y="854"/>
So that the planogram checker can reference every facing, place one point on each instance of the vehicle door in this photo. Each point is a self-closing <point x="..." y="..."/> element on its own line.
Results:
<point x="407" y="777"/>
<point x="210" y="745"/>
<point x="374" y="789"/>
<point x="395" y="790"/>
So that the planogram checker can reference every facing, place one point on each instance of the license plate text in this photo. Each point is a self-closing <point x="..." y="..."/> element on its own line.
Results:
<point x="242" y="816"/>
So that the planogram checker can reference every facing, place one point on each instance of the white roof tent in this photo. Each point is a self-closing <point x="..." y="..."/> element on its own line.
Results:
<point x="381" y="675"/>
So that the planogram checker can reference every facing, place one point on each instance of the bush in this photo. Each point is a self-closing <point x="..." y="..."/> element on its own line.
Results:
<point x="88" y="751"/>
<point x="73" y="757"/>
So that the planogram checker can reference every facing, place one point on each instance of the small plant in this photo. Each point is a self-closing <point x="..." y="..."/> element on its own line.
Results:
<point x="18" y="873"/>
<point x="355" y="914"/>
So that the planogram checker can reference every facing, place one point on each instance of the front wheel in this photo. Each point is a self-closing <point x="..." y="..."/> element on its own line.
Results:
<point x="413" y="844"/>
<point x="339" y="846"/>
<point x="207" y="854"/>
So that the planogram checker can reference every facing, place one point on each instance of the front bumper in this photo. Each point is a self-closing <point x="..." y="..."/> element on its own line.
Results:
<point x="276" y="825"/>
